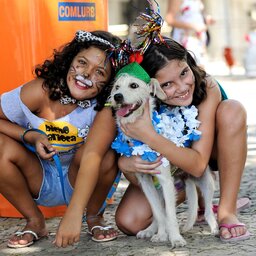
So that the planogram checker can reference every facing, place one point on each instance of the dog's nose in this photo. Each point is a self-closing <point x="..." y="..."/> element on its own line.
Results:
<point x="119" y="97"/>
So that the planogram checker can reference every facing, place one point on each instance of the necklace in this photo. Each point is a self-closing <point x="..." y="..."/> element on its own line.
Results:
<point x="178" y="125"/>
<point x="81" y="103"/>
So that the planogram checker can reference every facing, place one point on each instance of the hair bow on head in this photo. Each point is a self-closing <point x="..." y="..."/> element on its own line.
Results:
<point x="85" y="36"/>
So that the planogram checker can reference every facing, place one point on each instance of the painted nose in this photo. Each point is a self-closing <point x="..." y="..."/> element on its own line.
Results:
<point x="119" y="97"/>
<point x="86" y="74"/>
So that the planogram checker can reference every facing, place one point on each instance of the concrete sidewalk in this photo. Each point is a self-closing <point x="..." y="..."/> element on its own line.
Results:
<point x="199" y="240"/>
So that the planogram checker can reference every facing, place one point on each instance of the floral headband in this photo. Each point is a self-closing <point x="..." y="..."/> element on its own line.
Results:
<point x="82" y="36"/>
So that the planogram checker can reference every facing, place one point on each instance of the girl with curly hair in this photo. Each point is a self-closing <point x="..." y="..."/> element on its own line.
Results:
<point x="53" y="116"/>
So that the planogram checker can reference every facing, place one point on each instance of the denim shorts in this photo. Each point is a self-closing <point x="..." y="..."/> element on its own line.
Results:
<point x="51" y="191"/>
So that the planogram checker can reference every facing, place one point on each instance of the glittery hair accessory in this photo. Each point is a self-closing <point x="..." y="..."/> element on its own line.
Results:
<point x="119" y="56"/>
<point x="148" y="31"/>
<point x="82" y="36"/>
<point x="149" y="27"/>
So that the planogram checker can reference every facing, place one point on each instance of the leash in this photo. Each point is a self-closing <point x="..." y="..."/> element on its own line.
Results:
<point x="55" y="158"/>
<point x="59" y="168"/>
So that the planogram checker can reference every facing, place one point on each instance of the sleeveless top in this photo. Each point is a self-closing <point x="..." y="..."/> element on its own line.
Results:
<point x="191" y="12"/>
<point x="65" y="133"/>
<point x="223" y="93"/>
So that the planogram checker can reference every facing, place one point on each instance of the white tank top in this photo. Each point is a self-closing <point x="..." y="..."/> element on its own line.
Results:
<point x="65" y="133"/>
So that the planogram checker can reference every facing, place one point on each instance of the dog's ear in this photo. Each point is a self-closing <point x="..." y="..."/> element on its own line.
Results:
<point x="156" y="89"/>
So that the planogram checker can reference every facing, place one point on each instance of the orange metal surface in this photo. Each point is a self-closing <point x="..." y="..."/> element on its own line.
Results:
<point x="7" y="210"/>
<point x="30" y="30"/>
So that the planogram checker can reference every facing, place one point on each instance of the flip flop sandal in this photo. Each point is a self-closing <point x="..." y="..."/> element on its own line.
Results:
<point x="101" y="228"/>
<point x="245" y="236"/>
<point x="21" y="233"/>
<point x="241" y="204"/>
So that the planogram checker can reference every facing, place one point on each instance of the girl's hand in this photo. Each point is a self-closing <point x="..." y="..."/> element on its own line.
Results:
<point x="69" y="230"/>
<point x="135" y="164"/>
<point x="142" y="129"/>
<point x="44" y="147"/>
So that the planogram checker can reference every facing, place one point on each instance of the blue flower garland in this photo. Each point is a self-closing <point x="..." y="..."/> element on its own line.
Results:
<point x="178" y="124"/>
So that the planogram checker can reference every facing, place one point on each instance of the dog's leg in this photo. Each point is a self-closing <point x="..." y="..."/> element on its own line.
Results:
<point x="157" y="209"/>
<point x="169" y="193"/>
<point x="149" y="231"/>
<point x="207" y="187"/>
<point x="192" y="201"/>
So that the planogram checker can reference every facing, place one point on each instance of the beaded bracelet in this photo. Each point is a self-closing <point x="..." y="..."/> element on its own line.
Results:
<point x="31" y="148"/>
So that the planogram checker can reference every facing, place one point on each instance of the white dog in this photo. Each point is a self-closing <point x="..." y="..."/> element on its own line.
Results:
<point x="128" y="97"/>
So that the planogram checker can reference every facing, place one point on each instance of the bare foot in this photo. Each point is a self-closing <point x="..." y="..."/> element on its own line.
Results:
<point x="25" y="237"/>
<point x="99" y="230"/>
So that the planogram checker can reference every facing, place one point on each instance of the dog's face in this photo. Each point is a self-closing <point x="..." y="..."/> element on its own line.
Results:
<point x="129" y="95"/>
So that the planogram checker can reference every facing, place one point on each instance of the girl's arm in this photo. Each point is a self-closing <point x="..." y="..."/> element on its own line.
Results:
<point x="33" y="96"/>
<point x="8" y="128"/>
<point x="192" y="160"/>
<point x="97" y="144"/>
<point x="173" y="10"/>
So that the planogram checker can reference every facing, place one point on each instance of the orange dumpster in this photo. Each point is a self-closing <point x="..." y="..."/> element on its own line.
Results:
<point x="30" y="30"/>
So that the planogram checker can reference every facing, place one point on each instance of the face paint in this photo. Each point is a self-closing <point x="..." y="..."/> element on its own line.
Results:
<point x="88" y="74"/>
<point x="72" y="69"/>
<point x="83" y="80"/>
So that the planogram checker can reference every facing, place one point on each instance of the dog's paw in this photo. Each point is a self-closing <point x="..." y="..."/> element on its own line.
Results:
<point x="215" y="230"/>
<point x="145" y="234"/>
<point x="163" y="237"/>
<point x="212" y="224"/>
<point x="177" y="241"/>
<point x="148" y="232"/>
<point x="186" y="227"/>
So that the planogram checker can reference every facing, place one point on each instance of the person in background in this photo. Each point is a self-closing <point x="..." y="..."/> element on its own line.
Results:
<point x="189" y="26"/>
<point x="67" y="159"/>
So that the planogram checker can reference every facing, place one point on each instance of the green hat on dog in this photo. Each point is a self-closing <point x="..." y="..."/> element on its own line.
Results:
<point x="136" y="70"/>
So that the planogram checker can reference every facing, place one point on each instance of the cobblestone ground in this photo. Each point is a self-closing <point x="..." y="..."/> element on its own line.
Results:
<point x="199" y="240"/>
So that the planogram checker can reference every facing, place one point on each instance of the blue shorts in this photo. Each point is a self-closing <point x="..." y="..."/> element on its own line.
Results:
<point x="51" y="192"/>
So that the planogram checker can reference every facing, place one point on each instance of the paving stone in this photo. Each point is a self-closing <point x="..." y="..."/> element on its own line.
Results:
<point x="199" y="240"/>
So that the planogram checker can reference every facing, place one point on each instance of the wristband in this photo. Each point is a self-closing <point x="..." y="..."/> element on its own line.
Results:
<point x="28" y="146"/>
